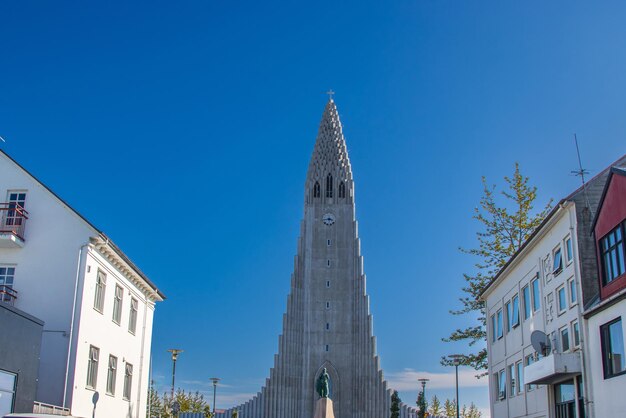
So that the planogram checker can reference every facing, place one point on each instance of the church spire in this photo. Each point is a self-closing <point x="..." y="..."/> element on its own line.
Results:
<point x="329" y="179"/>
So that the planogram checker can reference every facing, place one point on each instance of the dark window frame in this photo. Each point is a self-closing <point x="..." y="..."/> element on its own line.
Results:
<point x="604" y="343"/>
<point x="603" y="252"/>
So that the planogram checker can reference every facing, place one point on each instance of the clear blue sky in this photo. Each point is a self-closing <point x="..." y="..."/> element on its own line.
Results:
<point x="184" y="131"/>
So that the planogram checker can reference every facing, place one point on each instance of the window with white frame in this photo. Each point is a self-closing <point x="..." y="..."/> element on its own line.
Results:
<point x="101" y="285"/>
<point x="564" y="332"/>
<point x="519" y="366"/>
<point x="7" y="279"/>
<point x="92" y="367"/>
<point x="557" y="261"/>
<point x="132" y="317"/>
<point x="111" y="375"/>
<point x="128" y="381"/>
<point x="536" y="296"/>
<point x="526" y="301"/>
<point x="493" y="328"/>
<point x="117" y="304"/>
<point x="561" y="299"/>
<point x="499" y="324"/>
<point x="501" y="384"/>
<point x="571" y="287"/>
<point x="569" y="252"/>
<point x="530" y="359"/>
<point x="8" y="386"/>
<point x="511" y="373"/>
<point x="576" y="333"/>
<point x="515" y="314"/>
<point x="509" y="316"/>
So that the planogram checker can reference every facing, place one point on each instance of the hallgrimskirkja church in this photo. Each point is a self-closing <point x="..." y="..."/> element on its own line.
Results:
<point x="327" y="324"/>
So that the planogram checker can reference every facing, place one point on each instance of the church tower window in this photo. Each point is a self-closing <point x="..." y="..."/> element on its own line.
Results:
<point x="342" y="190"/>
<point x="329" y="185"/>
<point x="316" y="189"/>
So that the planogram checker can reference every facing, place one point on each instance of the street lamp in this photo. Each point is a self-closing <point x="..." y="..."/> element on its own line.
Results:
<point x="456" y="360"/>
<point x="214" y="380"/>
<point x="175" y="352"/>
<point x="423" y="382"/>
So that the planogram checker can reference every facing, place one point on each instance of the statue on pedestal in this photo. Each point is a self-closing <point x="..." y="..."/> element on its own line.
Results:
<point x="322" y="384"/>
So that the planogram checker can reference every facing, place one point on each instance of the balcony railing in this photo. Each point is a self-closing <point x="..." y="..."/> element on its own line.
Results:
<point x="44" y="408"/>
<point x="13" y="219"/>
<point x="7" y="294"/>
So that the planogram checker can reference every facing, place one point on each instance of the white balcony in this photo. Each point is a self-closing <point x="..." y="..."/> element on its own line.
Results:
<point x="553" y="368"/>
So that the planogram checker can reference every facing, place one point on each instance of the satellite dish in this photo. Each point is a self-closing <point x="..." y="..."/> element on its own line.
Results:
<point x="540" y="342"/>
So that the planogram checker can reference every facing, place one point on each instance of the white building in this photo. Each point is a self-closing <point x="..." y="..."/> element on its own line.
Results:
<point x="545" y="286"/>
<point x="96" y="304"/>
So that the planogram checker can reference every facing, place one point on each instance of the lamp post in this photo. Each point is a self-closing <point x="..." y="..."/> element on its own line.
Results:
<point x="456" y="360"/>
<point x="214" y="380"/>
<point x="423" y="382"/>
<point x="175" y="352"/>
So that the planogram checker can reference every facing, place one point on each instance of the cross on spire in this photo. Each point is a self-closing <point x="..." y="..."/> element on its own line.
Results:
<point x="330" y="93"/>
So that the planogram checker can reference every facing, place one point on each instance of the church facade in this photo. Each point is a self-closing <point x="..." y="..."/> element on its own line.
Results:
<point x="327" y="324"/>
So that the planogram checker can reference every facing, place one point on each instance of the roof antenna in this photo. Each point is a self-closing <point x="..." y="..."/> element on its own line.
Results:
<point x="581" y="172"/>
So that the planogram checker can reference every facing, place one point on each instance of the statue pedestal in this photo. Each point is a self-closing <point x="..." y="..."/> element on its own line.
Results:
<point x="324" y="408"/>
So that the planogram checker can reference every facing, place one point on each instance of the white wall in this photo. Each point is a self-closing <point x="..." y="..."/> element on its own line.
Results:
<point x="609" y="399"/>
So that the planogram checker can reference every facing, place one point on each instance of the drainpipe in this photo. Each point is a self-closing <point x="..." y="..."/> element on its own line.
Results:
<point x="141" y="356"/>
<point x="69" y="345"/>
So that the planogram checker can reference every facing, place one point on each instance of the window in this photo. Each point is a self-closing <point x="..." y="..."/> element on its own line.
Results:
<point x="568" y="250"/>
<point x="612" y="253"/>
<point x="493" y="328"/>
<point x="101" y="284"/>
<point x="92" y="367"/>
<point x="562" y="299"/>
<point x="327" y="263"/>
<point x="117" y="304"/>
<point x="329" y="185"/>
<point x="499" y="323"/>
<point x="564" y="339"/>
<point x="7" y="277"/>
<point x="530" y="359"/>
<point x="613" y="348"/>
<point x="509" y="316"/>
<point x="342" y="190"/>
<point x="520" y="376"/>
<point x="128" y="380"/>
<point x="511" y="373"/>
<point x="7" y="391"/>
<point x="536" y="297"/>
<point x="328" y="243"/>
<point x="573" y="297"/>
<point x="327" y="305"/>
<point x="316" y="189"/>
<point x="515" y="316"/>
<point x="501" y="385"/>
<point x="132" y="317"/>
<point x="327" y="283"/>
<point x="576" y="333"/>
<point x="327" y="347"/>
<point x="557" y="262"/>
<point x="526" y="296"/>
<point x="111" y="375"/>
<point x="327" y="326"/>
<point x="14" y="214"/>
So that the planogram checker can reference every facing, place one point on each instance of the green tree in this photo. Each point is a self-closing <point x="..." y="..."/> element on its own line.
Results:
<point x="435" y="406"/>
<point x="471" y="412"/>
<point x="504" y="228"/>
<point x="422" y="405"/>
<point x="449" y="408"/>
<point x="188" y="401"/>
<point x="155" y="404"/>
<point x="395" y="405"/>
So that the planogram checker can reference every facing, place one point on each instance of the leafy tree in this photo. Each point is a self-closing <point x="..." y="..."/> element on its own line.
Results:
<point x="422" y="405"/>
<point x="449" y="408"/>
<point x="435" y="406"/>
<point x="188" y="401"/>
<point x="503" y="231"/>
<point x="395" y="405"/>
<point x="156" y="406"/>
